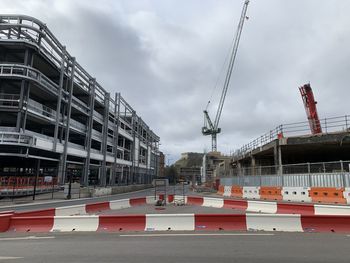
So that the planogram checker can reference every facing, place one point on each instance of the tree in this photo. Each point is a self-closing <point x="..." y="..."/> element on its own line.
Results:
<point x="171" y="174"/>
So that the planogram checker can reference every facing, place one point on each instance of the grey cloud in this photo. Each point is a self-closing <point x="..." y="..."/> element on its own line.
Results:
<point x="165" y="56"/>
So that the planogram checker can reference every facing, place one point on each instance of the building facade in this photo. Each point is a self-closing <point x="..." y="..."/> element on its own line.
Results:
<point x="57" y="120"/>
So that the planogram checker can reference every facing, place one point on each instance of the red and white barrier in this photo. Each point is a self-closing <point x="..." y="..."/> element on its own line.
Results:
<point x="75" y="223"/>
<point x="265" y="222"/>
<point x="162" y="222"/>
<point x="271" y="207"/>
<point x="331" y="210"/>
<point x="119" y="204"/>
<point x="262" y="207"/>
<point x="213" y="202"/>
<point x="71" y="210"/>
<point x="180" y="222"/>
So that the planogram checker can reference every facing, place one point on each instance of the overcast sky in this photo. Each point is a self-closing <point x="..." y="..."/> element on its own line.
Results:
<point x="165" y="57"/>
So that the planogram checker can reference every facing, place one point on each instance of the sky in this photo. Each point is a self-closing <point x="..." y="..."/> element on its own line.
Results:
<point x="167" y="58"/>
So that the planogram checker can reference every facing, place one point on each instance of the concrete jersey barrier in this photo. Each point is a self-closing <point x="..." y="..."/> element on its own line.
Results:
<point x="178" y="222"/>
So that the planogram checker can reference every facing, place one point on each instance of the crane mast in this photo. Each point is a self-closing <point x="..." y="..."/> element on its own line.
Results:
<point x="209" y="127"/>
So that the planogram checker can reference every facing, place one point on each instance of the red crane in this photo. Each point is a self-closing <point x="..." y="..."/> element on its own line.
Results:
<point x="310" y="108"/>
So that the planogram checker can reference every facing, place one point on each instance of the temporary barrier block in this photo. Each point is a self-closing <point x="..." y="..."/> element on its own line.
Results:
<point x="122" y="223"/>
<point x="220" y="222"/>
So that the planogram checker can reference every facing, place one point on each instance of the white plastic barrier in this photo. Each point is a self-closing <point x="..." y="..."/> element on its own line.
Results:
<point x="119" y="204"/>
<point x="288" y="223"/>
<point x="71" y="210"/>
<point x="296" y="194"/>
<point x="227" y="190"/>
<point x="75" y="223"/>
<point x="158" y="222"/>
<point x="150" y="200"/>
<point x="102" y="191"/>
<point x="179" y="199"/>
<point x="262" y="207"/>
<point x="346" y="194"/>
<point x="213" y="202"/>
<point x="331" y="210"/>
<point x="251" y="192"/>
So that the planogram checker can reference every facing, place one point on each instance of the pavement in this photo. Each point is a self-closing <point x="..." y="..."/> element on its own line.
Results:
<point x="44" y="201"/>
<point x="45" y="204"/>
<point x="159" y="247"/>
<point x="171" y="209"/>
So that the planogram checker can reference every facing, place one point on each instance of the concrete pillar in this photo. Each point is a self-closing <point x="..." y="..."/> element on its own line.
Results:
<point x="277" y="158"/>
<point x="253" y="165"/>
<point x="239" y="168"/>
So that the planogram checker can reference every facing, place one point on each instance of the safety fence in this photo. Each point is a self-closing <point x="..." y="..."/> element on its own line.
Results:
<point x="322" y="174"/>
<point x="16" y="186"/>
<point x="332" y="124"/>
<point x="337" y="195"/>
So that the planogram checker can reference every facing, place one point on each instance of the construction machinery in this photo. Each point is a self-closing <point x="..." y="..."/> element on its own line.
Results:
<point x="310" y="108"/>
<point x="210" y="128"/>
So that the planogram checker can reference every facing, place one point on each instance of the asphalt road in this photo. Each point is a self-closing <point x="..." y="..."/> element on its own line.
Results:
<point x="159" y="247"/>
<point x="54" y="203"/>
<point x="45" y="204"/>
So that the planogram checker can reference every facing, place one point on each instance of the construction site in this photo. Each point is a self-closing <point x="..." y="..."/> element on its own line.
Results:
<point x="58" y="124"/>
<point x="283" y="197"/>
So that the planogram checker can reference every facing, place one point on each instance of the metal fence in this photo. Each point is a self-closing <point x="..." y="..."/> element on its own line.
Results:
<point x="333" y="124"/>
<point x="325" y="174"/>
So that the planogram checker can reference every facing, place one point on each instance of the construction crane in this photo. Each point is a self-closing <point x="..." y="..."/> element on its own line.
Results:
<point x="310" y="108"/>
<point x="210" y="128"/>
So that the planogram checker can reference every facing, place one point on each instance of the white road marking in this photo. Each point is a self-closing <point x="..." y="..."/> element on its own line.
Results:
<point x="179" y="235"/>
<point x="7" y="258"/>
<point x="25" y="238"/>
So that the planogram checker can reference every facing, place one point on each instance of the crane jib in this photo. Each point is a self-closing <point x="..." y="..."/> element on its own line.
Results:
<point x="213" y="129"/>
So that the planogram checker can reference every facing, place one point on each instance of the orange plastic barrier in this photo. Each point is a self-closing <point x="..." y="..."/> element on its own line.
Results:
<point x="237" y="191"/>
<point x="327" y="195"/>
<point x="271" y="193"/>
<point x="221" y="190"/>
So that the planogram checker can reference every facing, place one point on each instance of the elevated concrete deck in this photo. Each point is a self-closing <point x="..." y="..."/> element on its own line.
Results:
<point x="325" y="147"/>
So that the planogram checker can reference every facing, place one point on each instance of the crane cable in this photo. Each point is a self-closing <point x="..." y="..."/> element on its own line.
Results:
<point x="221" y="72"/>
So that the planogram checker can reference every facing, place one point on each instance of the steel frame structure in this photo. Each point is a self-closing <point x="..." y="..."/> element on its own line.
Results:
<point x="53" y="110"/>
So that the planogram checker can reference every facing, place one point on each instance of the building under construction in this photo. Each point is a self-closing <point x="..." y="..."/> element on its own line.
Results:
<point x="57" y="121"/>
<point x="314" y="141"/>
<point x="292" y="144"/>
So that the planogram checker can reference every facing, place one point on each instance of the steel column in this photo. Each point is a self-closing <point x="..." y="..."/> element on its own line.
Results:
<point x="64" y="157"/>
<point x="28" y="61"/>
<point x="116" y="136"/>
<point x="86" y="169"/>
<point x="59" y="99"/>
<point x="104" y="140"/>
